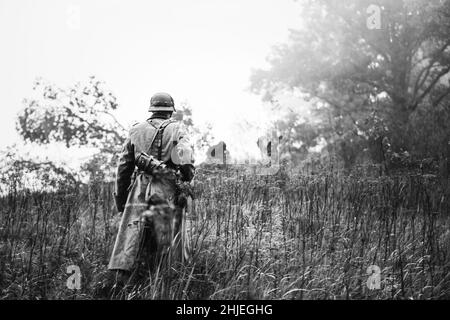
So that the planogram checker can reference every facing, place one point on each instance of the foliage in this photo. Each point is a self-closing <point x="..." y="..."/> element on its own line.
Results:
<point x="81" y="115"/>
<point x="19" y="173"/>
<point x="200" y="138"/>
<point x="352" y="73"/>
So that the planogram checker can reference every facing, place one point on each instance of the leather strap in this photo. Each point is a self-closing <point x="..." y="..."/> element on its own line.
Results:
<point x="158" y="138"/>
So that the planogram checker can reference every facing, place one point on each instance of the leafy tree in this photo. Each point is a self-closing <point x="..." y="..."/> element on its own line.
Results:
<point x="298" y="136"/>
<point x="81" y="115"/>
<point x="358" y="76"/>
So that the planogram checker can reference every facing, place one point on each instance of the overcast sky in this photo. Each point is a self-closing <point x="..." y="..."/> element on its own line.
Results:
<point x="200" y="51"/>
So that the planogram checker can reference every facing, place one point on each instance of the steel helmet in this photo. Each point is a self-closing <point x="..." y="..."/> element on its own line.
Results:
<point x="161" y="102"/>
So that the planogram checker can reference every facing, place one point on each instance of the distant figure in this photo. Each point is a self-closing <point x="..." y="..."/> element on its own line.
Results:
<point x="148" y="193"/>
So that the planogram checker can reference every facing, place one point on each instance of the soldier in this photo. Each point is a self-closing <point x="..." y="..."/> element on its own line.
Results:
<point x="149" y="174"/>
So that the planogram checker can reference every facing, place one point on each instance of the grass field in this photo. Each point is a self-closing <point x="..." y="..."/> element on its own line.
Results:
<point x="290" y="236"/>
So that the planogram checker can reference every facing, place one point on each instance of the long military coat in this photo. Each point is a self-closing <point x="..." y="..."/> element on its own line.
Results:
<point x="137" y="192"/>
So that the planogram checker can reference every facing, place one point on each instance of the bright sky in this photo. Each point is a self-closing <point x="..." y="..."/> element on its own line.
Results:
<point x="200" y="51"/>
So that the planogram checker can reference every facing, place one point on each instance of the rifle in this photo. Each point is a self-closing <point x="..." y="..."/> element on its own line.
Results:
<point x="149" y="164"/>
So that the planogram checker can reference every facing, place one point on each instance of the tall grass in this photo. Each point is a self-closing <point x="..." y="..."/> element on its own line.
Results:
<point x="289" y="236"/>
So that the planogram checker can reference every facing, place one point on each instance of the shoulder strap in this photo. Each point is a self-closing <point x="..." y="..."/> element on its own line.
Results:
<point x="156" y="145"/>
<point x="155" y="134"/>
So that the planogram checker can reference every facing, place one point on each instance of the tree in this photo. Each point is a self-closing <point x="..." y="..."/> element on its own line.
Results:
<point x="81" y="115"/>
<point x="298" y="136"/>
<point x="357" y="76"/>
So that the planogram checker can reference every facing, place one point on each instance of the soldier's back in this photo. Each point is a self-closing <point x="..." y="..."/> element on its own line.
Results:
<point x="143" y="134"/>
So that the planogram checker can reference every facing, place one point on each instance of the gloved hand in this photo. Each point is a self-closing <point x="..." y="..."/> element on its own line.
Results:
<point x="187" y="172"/>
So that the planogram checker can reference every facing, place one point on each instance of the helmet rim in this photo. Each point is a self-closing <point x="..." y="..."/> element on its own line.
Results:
<point x="161" y="108"/>
<point x="161" y="101"/>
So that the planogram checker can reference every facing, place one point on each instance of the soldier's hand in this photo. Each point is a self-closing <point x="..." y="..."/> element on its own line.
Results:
<point x="187" y="172"/>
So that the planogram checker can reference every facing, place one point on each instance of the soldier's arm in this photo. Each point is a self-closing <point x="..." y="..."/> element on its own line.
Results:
<point x="123" y="176"/>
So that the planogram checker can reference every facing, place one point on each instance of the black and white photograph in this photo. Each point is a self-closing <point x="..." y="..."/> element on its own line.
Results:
<point x="246" y="152"/>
